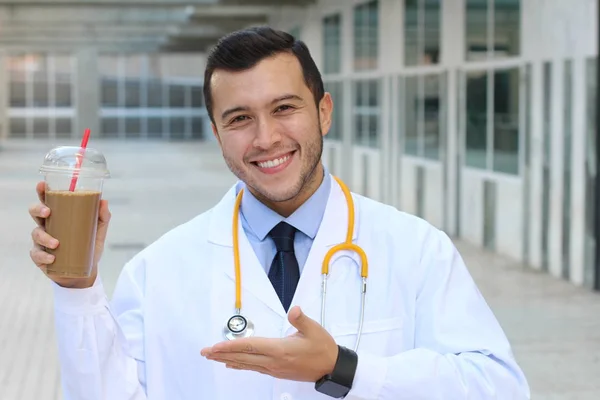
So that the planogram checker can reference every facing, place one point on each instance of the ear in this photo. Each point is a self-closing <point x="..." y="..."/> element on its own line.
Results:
<point x="325" y="112"/>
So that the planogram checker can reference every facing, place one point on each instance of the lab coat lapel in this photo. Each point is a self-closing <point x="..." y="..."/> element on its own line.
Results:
<point x="253" y="276"/>
<point x="332" y="231"/>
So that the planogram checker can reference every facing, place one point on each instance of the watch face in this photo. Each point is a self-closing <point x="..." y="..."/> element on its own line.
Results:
<point x="237" y="324"/>
<point x="332" y="389"/>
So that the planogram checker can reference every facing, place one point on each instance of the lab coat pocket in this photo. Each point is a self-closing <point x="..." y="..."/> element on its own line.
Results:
<point x="379" y="337"/>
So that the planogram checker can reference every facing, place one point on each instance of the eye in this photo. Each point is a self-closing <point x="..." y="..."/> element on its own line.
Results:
<point x="239" y="118"/>
<point x="284" y="107"/>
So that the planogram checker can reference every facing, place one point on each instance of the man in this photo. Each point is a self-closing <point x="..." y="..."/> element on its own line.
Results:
<point x="427" y="331"/>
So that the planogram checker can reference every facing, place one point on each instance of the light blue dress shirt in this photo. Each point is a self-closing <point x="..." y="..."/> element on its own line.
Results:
<point x="258" y="220"/>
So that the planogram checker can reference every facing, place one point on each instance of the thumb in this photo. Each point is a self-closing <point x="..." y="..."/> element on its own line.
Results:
<point x="301" y="322"/>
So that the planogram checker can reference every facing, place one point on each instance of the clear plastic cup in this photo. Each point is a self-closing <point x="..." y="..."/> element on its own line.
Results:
<point x="73" y="196"/>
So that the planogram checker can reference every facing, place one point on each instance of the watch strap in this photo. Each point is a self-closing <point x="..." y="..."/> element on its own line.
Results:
<point x="339" y="382"/>
<point x="345" y="367"/>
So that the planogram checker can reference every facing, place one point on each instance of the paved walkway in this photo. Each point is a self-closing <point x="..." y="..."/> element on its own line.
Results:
<point x="553" y="326"/>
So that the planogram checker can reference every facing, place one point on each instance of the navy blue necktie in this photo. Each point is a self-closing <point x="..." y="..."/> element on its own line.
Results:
<point x="284" y="273"/>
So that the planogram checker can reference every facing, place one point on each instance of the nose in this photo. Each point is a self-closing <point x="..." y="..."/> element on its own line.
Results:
<point x="266" y="134"/>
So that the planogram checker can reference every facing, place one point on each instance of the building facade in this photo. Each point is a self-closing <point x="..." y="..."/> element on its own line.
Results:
<point x="125" y="95"/>
<point x="477" y="115"/>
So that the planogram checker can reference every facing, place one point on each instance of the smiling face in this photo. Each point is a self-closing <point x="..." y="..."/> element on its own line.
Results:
<point x="270" y="130"/>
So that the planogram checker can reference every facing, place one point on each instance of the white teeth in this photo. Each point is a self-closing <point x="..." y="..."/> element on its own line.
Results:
<point x="273" y="163"/>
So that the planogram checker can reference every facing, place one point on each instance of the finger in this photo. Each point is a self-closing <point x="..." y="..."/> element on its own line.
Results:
<point x="242" y="367"/>
<point x="104" y="213"/>
<point x="41" y="238"/>
<point x="40" y="257"/>
<point x="103" y="220"/>
<point x="302" y="322"/>
<point x="40" y="188"/>
<point x="242" y="358"/>
<point x="39" y="212"/>
<point x="253" y="345"/>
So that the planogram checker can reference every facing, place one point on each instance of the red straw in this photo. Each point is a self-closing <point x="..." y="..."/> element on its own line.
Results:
<point x="84" y="142"/>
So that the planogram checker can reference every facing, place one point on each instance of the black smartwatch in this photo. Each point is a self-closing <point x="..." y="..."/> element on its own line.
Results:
<point x="339" y="382"/>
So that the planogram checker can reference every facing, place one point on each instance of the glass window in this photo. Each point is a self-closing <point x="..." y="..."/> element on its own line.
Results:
<point x="155" y="127"/>
<point x="431" y="32"/>
<point x="63" y="86"/>
<point x="503" y="18"/>
<point x="476" y="119"/>
<point x="132" y="93"/>
<point x="335" y="89"/>
<point x="62" y="91"/>
<point x="41" y="127"/>
<point x="17" y="77"/>
<point x="155" y="93"/>
<point x="433" y="101"/>
<point x="412" y="112"/>
<point x="332" y="44"/>
<point x="422" y="29"/>
<point x="110" y="92"/>
<point x="423" y="115"/>
<point x="507" y="28"/>
<point x="41" y="96"/>
<point x="39" y="81"/>
<point x="476" y="30"/>
<point x="177" y="127"/>
<point x="133" y="127"/>
<point x="18" y="93"/>
<point x="367" y="112"/>
<point x="197" y="128"/>
<point x="18" y="127"/>
<point x="504" y="111"/>
<point x="39" y="77"/>
<point x="506" y="121"/>
<point x="197" y="96"/>
<point x="110" y="127"/>
<point x="176" y="96"/>
<point x="411" y="32"/>
<point x="63" y="127"/>
<point x="366" y="38"/>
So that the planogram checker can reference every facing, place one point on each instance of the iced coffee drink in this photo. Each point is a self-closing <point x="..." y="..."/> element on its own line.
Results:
<point x="73" y="221"/>
<point x="74" y="179"/>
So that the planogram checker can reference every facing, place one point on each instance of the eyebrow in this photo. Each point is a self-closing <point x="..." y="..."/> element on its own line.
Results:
<point x="276" y="100"/>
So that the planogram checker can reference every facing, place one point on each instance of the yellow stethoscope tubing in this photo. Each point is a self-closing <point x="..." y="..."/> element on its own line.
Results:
<point x="236" y="253"/>
<point x="347" y="245"/>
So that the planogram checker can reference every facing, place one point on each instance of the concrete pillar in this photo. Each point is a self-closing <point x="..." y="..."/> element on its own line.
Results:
<point x="87" y="92"/>
<point x="4" y="93"/>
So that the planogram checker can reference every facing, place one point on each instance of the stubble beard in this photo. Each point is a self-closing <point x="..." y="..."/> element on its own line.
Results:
<point x="313" y="152"/>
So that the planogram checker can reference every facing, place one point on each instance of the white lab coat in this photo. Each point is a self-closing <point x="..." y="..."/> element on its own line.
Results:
<point x="428" y="333"/>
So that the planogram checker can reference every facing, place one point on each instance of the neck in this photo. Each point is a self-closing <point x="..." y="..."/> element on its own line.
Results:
<point x="287" y="208"/>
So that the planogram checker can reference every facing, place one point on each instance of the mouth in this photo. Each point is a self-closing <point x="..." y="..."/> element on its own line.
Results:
<point x="275" y="165"/>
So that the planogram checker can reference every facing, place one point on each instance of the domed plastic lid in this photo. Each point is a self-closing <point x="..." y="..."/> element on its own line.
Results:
<point x="65" y="159"/>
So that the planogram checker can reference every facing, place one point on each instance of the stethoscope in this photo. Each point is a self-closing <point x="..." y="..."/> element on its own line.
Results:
<point x="239" y="326"/>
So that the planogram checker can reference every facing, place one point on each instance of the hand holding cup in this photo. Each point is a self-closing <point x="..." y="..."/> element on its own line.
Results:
<point x="72" y="220"/>
<point x="44" y="244"/>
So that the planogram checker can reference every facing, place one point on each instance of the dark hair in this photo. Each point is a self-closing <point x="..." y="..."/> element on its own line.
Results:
<point x="241" y="50"/>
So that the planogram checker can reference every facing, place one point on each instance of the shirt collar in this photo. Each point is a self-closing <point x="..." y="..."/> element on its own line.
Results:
<point x="307" y="218"/>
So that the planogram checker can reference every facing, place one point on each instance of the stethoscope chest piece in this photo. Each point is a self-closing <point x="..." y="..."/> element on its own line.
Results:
<point x="238" y="327"/>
